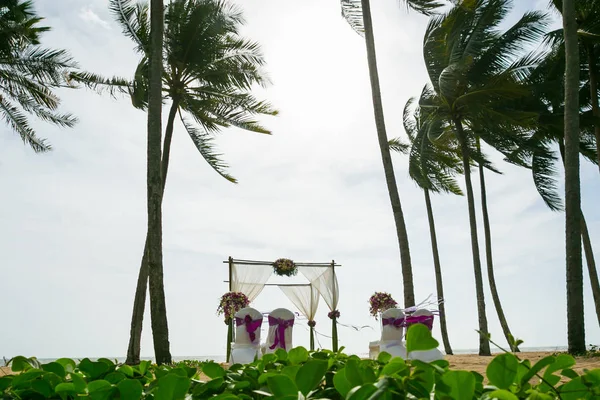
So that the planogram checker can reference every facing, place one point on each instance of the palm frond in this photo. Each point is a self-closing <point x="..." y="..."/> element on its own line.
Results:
<point x="133" y="18"/>
<point x="203" y="142"/>
<point x="19" y="123"/>
<point x="100" y="84"/>
<point x="352" y="13"/>
<point x="543" y="168"/>
<point x="399" y="146"/>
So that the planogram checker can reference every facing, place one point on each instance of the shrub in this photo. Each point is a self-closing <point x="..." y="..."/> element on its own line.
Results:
<point x="300" y="374"/>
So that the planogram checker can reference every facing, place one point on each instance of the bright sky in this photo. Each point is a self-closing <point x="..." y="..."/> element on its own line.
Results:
<point x="73" y="221"/>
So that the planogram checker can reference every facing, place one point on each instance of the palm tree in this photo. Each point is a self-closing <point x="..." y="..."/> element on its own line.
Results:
<point x="208" y="73"/>
<point x="432" y="167"/>
<point x="358" y="15"/>
<point x="474" y="69"/>
<point x="29" y="74"/>
<point x="158" y="309"/>
<point x="575" y="315"/>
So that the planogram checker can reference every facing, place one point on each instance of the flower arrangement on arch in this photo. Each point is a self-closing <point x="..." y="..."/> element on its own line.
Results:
<point x="232" y="302"/>
<point x="284" y="267"/>
<point x="381" y="301"/>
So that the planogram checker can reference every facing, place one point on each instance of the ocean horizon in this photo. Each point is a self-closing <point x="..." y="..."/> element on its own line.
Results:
<point x="221" y="358"/>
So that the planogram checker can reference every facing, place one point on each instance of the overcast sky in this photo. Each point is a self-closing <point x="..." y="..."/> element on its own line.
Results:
<point x="73" y="221"/>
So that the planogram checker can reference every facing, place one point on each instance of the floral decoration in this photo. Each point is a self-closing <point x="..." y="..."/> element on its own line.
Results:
<point x="334" y="314"/>
<point x="381" y="301"/>
<point x="284" y="267"/>
<point x="232" y="302"/>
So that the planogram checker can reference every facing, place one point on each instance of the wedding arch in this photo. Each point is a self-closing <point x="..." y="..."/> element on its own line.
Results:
<point x="250" y="277"/>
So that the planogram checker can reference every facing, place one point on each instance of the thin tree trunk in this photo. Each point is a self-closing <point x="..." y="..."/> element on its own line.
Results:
<point x="490" y="263"/>
<point x="574" y="270"/>
<point x="438" y="273"/>
<point x="407" y="275"/>
<point x="484" y="343"/>
<point x="589" y="252"/>
<point x="158" y="309"/>
<point x="139" y="302"/>
<point x="594" y="96"/>
<point x="591" y="264"/>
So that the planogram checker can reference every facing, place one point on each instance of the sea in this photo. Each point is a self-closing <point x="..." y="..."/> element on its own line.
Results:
<point x="221" y="358"/>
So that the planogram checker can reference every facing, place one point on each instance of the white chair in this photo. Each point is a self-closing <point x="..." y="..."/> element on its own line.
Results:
<point x="374" y="350"/>
<point x="392" y="331"/>
<point x="246" y="347"/>
<point x="281" y="323"/>
<point x="424" y="317"/>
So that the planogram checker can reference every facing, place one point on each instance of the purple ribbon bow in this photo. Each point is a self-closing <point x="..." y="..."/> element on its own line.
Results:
<point x="426" y="320"/>
<point x="282" y="325"/>
<point x="395" y="322"/>
<point x="251" y="325"/>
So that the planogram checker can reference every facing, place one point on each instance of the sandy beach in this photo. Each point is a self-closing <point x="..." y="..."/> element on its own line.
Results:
<point x="473" y="362"/>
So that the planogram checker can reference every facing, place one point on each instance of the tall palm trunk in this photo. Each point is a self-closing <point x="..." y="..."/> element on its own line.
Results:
<point x="139" y="302"/>
<point x="158" y="309"/>
<point x="484" y="344"/>
<point x="407" y="276"/>
<point x="438" y="273"/>
<point x="574" y="272"/>
<point x="490" y="262"/>
<point x="594" y="95"/>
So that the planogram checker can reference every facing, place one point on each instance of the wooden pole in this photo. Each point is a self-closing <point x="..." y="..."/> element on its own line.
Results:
<point x="312" y="328"/>
<point x="334" y="334"/>
<point x="230" y="324"/>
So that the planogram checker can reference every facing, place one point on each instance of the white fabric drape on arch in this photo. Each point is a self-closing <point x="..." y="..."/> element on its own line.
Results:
<point x="250" y="279"/>
<point x="303" y="296"/>
<point x="324" y="280"/>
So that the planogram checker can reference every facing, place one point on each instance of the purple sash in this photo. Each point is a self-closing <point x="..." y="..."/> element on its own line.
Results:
<point x="251" y="325"/>
<point x="395" y="322"/>
<point x="426" y="320"/>
<point x="282" y="325"/>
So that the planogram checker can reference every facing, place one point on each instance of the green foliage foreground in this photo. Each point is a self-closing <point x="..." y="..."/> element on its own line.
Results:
<point x="300" y="374"/>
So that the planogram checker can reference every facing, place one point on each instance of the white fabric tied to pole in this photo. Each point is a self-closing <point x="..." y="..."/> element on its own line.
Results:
<point x="323" y="279"/>
<point x="304" y="297"/>
<point x="250" y="279"/>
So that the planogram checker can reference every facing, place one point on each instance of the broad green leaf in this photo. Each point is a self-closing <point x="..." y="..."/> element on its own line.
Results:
<point x="172" y="387"/>
<point x="394" y="366"/>
<point x="115" y="377"/>
<point x="225" y="396"/>
<point x="574" y="390"/>
<point x="100" y="389"/>
<point x="418" y="337"/>
<point x="68" y="364"/>
<point x="127" y="370"/>
<point x="269" y="358"/>
<point x="20" y="363"/>
<point x="79" y="383"/>
<point x="144" y="365"/>
<point x="130" y="389"/>
<point x="362" y="393"/>
<point x="55" y="367"/>
<point x="502" y="371"/>
<point x="281" y="354"/>
<point x="592" y="377"/>
<point x="353" y="373"/>
<point x="341" y="383"/>
<point x="24" y="379"/>
<point x="282" y="385"/>
<point x="205" y="389"/>
<point x="310" y="375"/>
<point x="297" y="355"/>
<point x="263" y="378"/>
<point x="384" y="357"/>
<point x="5" y="382"/>
<point x="42" y="387"/>
<point x="562" y="361"/>
<point x="461" y="384"/>
<point x="213" y="370"/>
<point x="94" y="369"/>
<point x="503" y="395"/>
<point x="535" y="395"/>
<point x="367" y="372"/>
<point x="536" y="368"/>
<point x="569" y="373"/>
<point x="106" y="361"/>
<point x="65" y="389"/>
<point x="291" y="371"/>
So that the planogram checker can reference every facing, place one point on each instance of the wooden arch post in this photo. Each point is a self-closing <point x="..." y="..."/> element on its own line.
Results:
<point x="334" y="332"/>
<point x="230" y="323"/>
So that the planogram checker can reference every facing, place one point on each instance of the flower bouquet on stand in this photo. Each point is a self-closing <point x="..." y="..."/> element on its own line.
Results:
<point x="379" y="302"/>
<point x="231" y="302"/>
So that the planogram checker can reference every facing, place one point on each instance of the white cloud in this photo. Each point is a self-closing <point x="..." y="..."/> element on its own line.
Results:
<point x="88" y="15"/>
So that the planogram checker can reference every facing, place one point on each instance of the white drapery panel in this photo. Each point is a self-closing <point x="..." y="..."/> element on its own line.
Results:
<point x="324" y="280"/>
<point x="304" y="297"/>
<point x="250" y="279"/>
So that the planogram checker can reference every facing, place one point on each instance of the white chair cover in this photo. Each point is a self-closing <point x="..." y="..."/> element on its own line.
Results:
<point x="246" y="347"/>
<point x="281" y="320"/>
<point x="427" y="355"/>
<point x="392" y="332"/>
